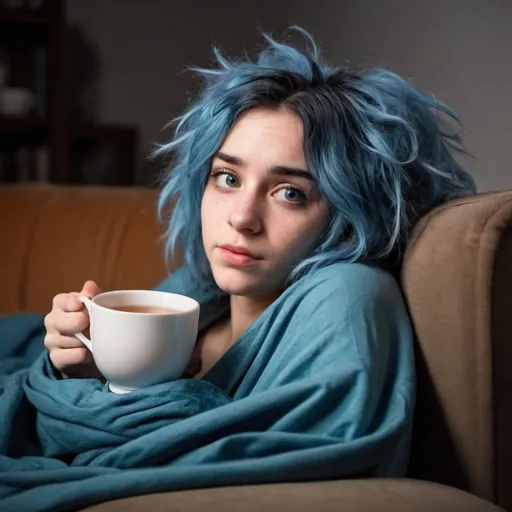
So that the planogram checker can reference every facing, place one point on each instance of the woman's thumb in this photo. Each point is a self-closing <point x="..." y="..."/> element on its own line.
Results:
<point x="90" y="289"/>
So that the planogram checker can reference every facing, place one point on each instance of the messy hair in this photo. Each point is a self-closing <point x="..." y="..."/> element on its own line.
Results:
<point x="373" y="143"/>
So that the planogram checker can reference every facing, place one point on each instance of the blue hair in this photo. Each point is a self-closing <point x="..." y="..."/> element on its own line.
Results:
<point x="375" y="145"/>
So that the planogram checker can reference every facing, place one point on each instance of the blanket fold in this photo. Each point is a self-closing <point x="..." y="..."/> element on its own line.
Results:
<point x="320" y="386"/>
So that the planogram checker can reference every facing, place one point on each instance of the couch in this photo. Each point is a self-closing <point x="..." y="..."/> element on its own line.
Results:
<point x="456" y="277"/>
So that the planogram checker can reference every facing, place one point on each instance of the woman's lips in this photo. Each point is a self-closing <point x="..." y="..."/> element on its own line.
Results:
<point x="237" y="255"/>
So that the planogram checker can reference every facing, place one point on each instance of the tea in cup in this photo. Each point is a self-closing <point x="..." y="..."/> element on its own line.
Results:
<point x="139" y="338"/>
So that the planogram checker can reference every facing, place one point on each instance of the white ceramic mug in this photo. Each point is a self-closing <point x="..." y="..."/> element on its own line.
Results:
<point x="139" y="349"/>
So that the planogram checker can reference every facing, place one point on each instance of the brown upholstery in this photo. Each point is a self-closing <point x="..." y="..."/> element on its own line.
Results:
<point x="58" y="237"/>
<point x="456" y="278"/>
<point x="370" y="495"/>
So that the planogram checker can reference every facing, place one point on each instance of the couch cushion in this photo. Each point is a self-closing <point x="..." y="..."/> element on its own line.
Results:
<point x="373" y="495"/>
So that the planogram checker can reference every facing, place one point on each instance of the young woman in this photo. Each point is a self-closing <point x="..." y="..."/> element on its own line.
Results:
<point x="294" y="187"/>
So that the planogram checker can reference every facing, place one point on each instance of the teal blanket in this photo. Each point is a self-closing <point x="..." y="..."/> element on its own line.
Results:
<point x="321" y="386"/>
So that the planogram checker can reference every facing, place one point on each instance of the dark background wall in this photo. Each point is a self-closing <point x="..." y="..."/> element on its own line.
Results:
<point x="458" y="50"/>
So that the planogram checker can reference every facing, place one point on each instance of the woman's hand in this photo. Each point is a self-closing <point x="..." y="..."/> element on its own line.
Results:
<point x="67" y="317"/>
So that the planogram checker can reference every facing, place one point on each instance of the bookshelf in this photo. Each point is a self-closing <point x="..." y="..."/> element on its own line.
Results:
<point x="44" y="143"/>
<point x="12" y="19"/>
<point x="28" y="124"/>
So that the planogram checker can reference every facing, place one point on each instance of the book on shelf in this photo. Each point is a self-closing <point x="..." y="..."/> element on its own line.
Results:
<point x="24" y="164"/>
<point x="39" y="76"/>
<point x="34" y="5"/>
<point x="13" y="4"/>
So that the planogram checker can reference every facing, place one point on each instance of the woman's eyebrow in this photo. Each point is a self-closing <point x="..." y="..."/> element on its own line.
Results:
<point x="229" y="159"/>
<point x="277" y="169"/>
<point x="291" y="171"/>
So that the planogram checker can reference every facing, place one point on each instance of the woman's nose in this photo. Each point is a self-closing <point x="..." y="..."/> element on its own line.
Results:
<point x="246" y="215"/>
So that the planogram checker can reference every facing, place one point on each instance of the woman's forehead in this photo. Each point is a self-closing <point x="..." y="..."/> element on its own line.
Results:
<point x="263" y="133"/>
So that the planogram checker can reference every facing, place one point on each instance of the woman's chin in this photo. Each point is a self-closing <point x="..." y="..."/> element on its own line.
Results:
<point x="237" y="288"/>
<point x="237" y="282"/>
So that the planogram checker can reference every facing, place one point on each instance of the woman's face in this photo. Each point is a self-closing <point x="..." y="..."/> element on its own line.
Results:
<point x="261" y="212"/>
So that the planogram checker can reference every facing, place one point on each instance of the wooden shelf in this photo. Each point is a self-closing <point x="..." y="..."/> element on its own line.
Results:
<point x="77" y="130"/>
<point x="23" y="130"/>
<point x="18" y="129"/>
<point x="22" y="17"/>
<point x="22" y="124"/>
<point x="27" y="34"/>
<point x="56" y="147"/>
<point x="20" y="24"/>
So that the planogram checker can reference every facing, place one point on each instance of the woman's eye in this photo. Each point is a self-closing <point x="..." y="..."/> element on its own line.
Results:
<point x="291" y="195"/>
<point x="225" y="180"/>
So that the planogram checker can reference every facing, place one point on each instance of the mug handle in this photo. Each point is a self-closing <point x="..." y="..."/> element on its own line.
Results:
<point x="86" y="341"/>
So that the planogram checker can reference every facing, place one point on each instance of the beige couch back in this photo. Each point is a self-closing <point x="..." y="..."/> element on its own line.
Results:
<point x="457" y="277"/>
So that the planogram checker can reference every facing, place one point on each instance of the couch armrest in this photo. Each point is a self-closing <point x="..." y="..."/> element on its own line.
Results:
<point x="368" y="495"/>
<point x="457" y="277"/>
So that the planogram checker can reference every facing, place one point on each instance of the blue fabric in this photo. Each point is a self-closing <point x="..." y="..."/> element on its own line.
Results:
<point x="320" y="386"/>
